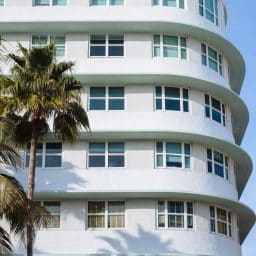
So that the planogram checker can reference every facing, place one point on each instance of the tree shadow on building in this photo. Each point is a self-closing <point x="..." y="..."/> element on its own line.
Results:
<point x="141" y="242"/>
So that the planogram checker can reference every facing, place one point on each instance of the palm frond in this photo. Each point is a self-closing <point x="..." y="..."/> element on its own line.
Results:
<point x="65" y="127"/>
<point x="18" y="60"/>
<point x="79" y="114"/>
<point x="5" y="243"/>
<point x="58" y="69"/>
<point x="8" y="156"/>
<point x="71" y="84"/>
<point x="16" y="129"/>
<point x="66" y="123"/>
<point x="41" y="58"/>
<point x="13" y="126"/>
<point x="18" y="210"/>
<point x="23" y="50"/>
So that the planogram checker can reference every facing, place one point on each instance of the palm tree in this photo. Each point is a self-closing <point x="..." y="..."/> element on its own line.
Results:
<point x="14" y="205"/>
<point x="38" y="89"/>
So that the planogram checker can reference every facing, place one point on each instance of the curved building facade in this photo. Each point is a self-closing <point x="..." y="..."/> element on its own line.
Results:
<point x="162" y="170"/>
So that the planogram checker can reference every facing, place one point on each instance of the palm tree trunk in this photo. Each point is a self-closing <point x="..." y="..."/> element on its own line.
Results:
<point x="31" y="179"/>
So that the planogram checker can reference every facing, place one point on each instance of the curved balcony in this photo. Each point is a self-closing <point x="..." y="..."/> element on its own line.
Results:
<point x="242" y="160"/>
<point x="124" y="19"/>
<point x="137" y="242"/>
<point x="245" y="214"/>
<point x="53" y="15"/>
<point x="100" y="180"/>
<point x="169" y="121"/>
<point x="169" y="72"/>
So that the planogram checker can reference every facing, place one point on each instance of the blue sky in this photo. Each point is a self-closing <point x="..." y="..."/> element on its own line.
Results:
<point x="241" y="30"/>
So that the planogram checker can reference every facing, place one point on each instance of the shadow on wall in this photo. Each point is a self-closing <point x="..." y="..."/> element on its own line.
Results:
<point x="141" y="242"/>
<point x="74" y="179"/>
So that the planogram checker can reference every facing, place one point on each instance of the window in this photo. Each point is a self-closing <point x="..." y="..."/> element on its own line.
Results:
<point x="106" y="98"/>
<point x="220" y="221"/>
<point x="211" y="58"/>
<point x="48" y="154"/>
<point x="102" y="45"/>
<point x="217" y="163"/>
<point x="175" y="214"/>
<point x="109" y="154"/>
<point x="106" y="214"/>
<point x="173" y="155"/>
<point x="43" y="40"/>
<point x="170" y="3"/>
<point x="170" y="46"/>
<point x="209" y="9"/>
<point x="171" y="98"/>
<point x="50" y="2"/>
<point x="2" y="2"/>
<point x="215" y="110"/>
<point x="107" y="2"/>
<point x="54" y="209"/>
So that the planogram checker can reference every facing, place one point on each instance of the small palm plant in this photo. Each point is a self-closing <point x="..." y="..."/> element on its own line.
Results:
<point x="38" y="90"/>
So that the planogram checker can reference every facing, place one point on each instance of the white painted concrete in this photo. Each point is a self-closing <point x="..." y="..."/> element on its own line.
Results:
<point x="139" y="173"/>
<point x="139" y="183"/>
<point x="138" y="57"/>
<point x="140" y="236"/>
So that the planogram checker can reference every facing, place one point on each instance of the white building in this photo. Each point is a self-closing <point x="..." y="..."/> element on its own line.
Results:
<point x="162" y="171"/>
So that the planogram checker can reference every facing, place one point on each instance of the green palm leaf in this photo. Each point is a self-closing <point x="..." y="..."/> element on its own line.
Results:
<point x="5" y="242"/>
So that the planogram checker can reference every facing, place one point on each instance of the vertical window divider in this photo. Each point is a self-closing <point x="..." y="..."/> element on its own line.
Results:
<point x="216" y="220"/>
<point x="107" y="45"/>
<point x="106" y="214"/>
<point x="107" y="98"/>
<point x="163" y="98"/>
<point x="164" y="154"/>
<point x="161" y="45"/>
<point x="179" y="47"/>
<point x="44" y="154"/>
<point x="166" y="213"/>
<point x="183" y="155"/>
<point x="106" y="154"/>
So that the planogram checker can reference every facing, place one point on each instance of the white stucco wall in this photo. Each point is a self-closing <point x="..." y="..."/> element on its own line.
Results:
<point x="137" y="47"/>
<point x="75" y="179"/>
<point x="139" y="174"/>
<point x="140" y="234"/>
<point x="191" y="6"/>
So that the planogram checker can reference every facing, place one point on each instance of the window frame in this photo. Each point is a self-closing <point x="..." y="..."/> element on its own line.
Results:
<point x="106" y="214"/>
<point x="49" y="38"/>
<point x="106" y="155"/>
<point x="50" y="4"/>
<point x="42" y="203"/>
<point x="207" y="57"/>
<point x="225" y="165"/>
<point x="178" y="4"/>
<point x="106" y="45"/>
<point x="107" y="98"/>
<point x="229" y="221"/>
<point x="185" y="215"/>
<point x="163" y="99"/>
<point x="222" y="112"/>
<point x="43" y="154"/>
<point x="107" y="4"/>
<point x="162" y="45"/>
<point x="164" y="155"/>
<point x="215" y="13"/>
